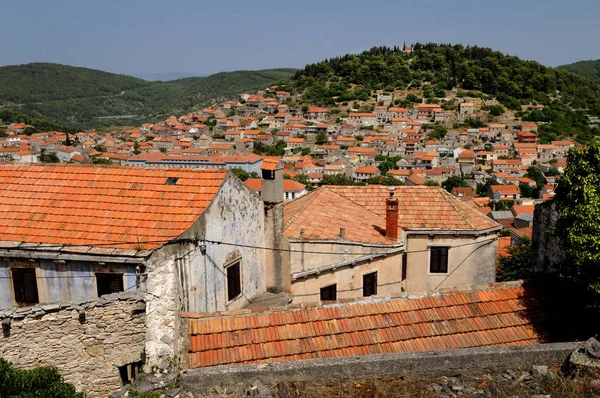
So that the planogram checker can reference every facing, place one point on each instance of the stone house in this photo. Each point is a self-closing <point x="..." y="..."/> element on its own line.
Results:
<point x="374" y="240"/>
<point x="362" y="118"/>
<point x="73" y="232"/>
<point x="504" y="192"/>
<point x="66" y="153"/>
<point x="316" y="113"/>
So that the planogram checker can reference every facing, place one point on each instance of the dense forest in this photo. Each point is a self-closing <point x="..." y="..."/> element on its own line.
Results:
<point x="475" y="71"/>
<point x="589" y="69"/>
<point x="71" y="95"/>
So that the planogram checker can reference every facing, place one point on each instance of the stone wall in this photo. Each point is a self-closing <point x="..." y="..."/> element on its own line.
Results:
<point x="467" y="361"/>
<point x="547" y="256"/>
<point x="86" y="341"/>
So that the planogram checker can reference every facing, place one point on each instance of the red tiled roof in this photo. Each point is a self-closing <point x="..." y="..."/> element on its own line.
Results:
<point x="493" y="317"/>
<point x="108" y="206"/>
<point x="420" y="207"/>
<point x="322" y="213"/>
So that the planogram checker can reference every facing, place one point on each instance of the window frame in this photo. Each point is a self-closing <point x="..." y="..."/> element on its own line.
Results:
<point x="236" y="263"/>
<point x="326" y="288"/>
<point x="373" y="275"/>
<point x="447" y="255"/>
<point x="23" y="270"/>
<point x="109" y="274"/>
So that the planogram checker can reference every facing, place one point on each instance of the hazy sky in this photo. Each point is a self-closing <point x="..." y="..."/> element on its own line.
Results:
<point x="201" y="37"/>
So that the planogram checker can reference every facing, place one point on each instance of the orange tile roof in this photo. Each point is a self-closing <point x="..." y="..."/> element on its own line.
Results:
<point x="321" y="214"/>
<point x="114" y="207"/>
<point x="420" y="207"/>
<point x="502" y="315"/>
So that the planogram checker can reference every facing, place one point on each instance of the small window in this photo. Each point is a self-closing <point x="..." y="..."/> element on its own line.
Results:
<point x="329" y="293"/>
<point x="234" y="282"/>
<point x="109" y="283"/>
<point x="370" y="284"/>
<point x="438" y="262"/>
<point x="171" y="180"/>
<point x="25" y="285"/>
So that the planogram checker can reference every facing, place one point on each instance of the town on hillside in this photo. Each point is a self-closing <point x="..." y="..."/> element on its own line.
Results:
<point x="264" y="229"/>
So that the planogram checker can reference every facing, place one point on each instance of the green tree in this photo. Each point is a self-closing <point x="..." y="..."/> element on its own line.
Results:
<point x="339" y="179"/>
<point x="526" y="190"/>
<point x="577" y="229"/>
<point x="454" y="182"/>
<point x="518" y="263"/>
<point x="240" y="173"/>
<point x="384" y="180"/>
<point x="322" y="138"/>
<point x="43" y="382"/>
<point x="432" y="183"/>
<point x="303" y="179"/>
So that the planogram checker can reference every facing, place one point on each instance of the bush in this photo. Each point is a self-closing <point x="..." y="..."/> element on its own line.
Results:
<point x="43" y="382"/>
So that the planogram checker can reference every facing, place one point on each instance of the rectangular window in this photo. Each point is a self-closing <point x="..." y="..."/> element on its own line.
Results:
<point x="234" y="281"/>
<point x="438" y="262"/>
<point x="109" y="283"/>
<point x="25" y="285"/>
<point x="329" y="293"/>
<point x="370" y="284"/>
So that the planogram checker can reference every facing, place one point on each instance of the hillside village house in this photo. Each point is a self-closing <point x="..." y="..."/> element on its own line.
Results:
<point x="73" y="232"/>
<point x="355" y="241"/>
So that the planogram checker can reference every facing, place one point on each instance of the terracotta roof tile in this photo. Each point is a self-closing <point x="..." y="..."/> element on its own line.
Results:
<point x="502" y="316"/>
<point x="107" y="206"/>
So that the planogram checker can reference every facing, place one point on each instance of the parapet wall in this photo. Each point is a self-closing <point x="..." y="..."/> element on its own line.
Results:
<point x="471" y="361"/>
<point x="87" y="342"/>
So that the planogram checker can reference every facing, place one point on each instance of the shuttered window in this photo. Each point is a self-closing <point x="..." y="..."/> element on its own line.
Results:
<point x="370" y="284"/>
<point x="109" y="283"/>
<point x="329" y="293"/>
<point x="25" y="285"/>
<point x="438" y="263"/>
<point x="234" y="281"/>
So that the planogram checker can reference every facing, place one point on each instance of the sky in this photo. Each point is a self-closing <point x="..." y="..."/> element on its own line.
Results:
<point x="203" y="37"/>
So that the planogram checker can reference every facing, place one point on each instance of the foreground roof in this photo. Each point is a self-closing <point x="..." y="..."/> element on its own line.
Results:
<point x="501" y="315"/>
<point x="420" y="207"/>
<point x="112" y="207"/>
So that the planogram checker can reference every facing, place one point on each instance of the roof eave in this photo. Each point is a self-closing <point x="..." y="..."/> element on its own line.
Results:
<point x="445" y="231"/>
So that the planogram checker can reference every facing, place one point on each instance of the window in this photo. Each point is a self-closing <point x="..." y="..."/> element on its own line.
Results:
<point x="109" y="283"/>
<point x="25" y="285"/>
<point x="172" y="180"/>
<point x="234" y="282"/>
<point x="438" y="262"/>
<point x="370" y="284"/>
<point x="329" y="293"/>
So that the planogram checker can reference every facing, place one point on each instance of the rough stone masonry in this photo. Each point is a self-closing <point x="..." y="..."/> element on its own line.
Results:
<point x="86" y="341"/>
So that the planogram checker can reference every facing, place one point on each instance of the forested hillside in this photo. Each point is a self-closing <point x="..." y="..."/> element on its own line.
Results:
<point x="589" y="69"/>
<point x="476" y="71"/>
<point x="70" y="95"/>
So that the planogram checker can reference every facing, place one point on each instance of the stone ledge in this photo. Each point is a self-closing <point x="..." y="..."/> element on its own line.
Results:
<point x="472" y="361"/>
<point x="39" y="310"/>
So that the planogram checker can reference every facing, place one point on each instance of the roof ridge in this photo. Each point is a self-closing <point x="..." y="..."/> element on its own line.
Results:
<point x="449" y="198"/>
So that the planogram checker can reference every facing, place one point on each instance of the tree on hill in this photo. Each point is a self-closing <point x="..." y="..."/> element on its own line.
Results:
<point x="577" y="229"/>
<point x="43" y="382"/>
<point x="454" y="182"/>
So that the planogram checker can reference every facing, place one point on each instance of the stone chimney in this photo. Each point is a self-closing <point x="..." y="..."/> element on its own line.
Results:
<point x="276" y="261"/>
<point x="391" y="215"/>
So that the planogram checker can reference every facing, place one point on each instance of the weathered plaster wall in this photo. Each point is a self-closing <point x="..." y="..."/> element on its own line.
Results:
<point x="180" y="277"/>
<point x="349" y="279"/>
<point x="471" y="261"/>
<point x="72" y="281"/>
<point x="87" y="353"/>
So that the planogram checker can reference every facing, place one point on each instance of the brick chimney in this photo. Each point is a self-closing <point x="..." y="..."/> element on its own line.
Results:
<point x="391" y="215"/>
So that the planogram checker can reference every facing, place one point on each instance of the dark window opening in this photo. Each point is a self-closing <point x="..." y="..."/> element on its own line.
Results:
<point x="439" y="260"/>
<point x="109" y="283"/>
<point x="171" y="180"/>
<point x="130" y="372"/>
<point x="329" y="293"/>
<point x="370" y="284"/>
<point x="404" y="265"/>
<point x="234" y="282"/>
<point x="25" y="285"/>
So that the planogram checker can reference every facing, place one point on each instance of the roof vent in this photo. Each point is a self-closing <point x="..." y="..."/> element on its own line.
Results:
<point x="171" y="180"/>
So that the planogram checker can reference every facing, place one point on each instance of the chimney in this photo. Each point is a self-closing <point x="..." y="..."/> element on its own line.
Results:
<point x="391" y="215"/>
<point x="272" y="181"/>
<point x="343" y="232"/>
<point x="277" y="262"/>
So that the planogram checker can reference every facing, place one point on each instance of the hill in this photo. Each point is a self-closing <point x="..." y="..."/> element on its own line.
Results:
<point x="588" y="69"/>
<point x="434" y="69"/>
<point x="72" y="95"/>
